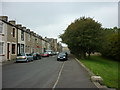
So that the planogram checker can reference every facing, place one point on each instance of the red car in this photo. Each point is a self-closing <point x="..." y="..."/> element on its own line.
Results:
<point x="45" y="54"/>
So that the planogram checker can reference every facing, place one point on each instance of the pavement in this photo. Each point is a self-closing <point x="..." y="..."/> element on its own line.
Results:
<point x="46" y="73"/>
<point x="74" y="76"/>
<point x="8" y="62"/>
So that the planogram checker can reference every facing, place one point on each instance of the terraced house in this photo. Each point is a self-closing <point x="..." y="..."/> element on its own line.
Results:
<point x="16" y="39"/>
<point x="3" y="38"/>
<point x="21" y="39"/>
<point x="37" y="43"/>
<point x="53" y="43"/>
<point x="9" y="46"/>
<point x="32" y="41"/>
<point x="27" y="41"/>
<point x="12" y="40"/>
<point x="43" y="46"/>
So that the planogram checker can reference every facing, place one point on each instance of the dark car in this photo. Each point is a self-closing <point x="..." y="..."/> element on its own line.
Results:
<point x="62" y="56"/>
<point x="36" y="56"/>
<point x="66" y="54"/>
<point x="45" y="54"/>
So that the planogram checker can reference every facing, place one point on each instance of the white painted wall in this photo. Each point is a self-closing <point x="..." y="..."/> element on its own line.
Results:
<point x="4" y="39"/>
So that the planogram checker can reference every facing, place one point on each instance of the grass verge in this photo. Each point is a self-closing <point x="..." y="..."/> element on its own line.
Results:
<point x="107" y="69"/>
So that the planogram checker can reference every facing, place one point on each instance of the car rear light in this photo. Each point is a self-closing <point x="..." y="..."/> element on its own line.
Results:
<point x="24" y="57"/>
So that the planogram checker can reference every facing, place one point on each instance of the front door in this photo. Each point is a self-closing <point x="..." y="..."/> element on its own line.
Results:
<point x="8" y="51"/>
<point x="18" y="49"/>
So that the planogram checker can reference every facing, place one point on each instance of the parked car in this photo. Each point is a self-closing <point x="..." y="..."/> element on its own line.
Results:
<point x="62" y="56"/>
<point x="50" y="52"/>
<point x="45" y="54"/>
<point x="24" y="57"/>
<point x="57" y="52"/>
<point x="66" y="54"/>
<point x="36" y="56"/>
<point x="54" y="53"/>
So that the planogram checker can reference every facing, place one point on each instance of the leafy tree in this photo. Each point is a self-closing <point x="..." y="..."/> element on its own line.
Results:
<point x="83" y="36"/>
<point x="110" y="46"/>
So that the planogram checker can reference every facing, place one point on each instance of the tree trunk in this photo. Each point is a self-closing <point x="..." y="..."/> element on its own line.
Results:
<point x="89" y="54"/>
<point x="83" y="55"/>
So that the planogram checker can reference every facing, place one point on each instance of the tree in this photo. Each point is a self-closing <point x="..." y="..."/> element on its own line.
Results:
<point x="83" y="36"/>
<point x="110" y="46"/>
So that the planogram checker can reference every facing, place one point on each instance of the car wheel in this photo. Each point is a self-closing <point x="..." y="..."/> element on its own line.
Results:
<point x="27" y="60"/>
<point x="40" y="57"/>
<point x="36" y="58"/>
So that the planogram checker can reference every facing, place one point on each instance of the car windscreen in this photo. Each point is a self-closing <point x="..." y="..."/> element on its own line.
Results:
<point x="21" y="54"/>
<point x="62" y="54"/>
<point x="45" y="52"/>
<point x="28" y="54"/>
<point x="34" y="54"/>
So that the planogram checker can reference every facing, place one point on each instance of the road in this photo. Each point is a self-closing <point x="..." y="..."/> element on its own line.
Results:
<point x="46" y="73"/>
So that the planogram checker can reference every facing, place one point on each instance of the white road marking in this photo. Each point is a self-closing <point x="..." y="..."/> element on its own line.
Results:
<point x="58" y="76"/>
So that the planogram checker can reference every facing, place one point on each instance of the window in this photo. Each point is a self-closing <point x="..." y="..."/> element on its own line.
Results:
<point x="36" y="40"/>
<point x="28" y="37"/>
<point x="28" y="48"/>
<point x="22" y="48"/>
<point x="22" y="35"/>
<point x="1" y="27"/>
<point x="13" y="32"/>
<point x="13" y="48"/>
<point x="1" y="47"/>
<point x="27" y="54"/>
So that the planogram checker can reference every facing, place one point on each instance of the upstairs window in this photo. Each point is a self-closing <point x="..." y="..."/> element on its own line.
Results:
<point x="28" y="37"/>
<point x="1" y="47"/>
<point x="22" y="35"/>
<point x="1" y="27"/>
<point x="36" y="40"/>
<point x="13" y="32"/>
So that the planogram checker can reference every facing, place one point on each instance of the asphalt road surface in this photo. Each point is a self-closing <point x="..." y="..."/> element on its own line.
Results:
<point x="46" y="73"/>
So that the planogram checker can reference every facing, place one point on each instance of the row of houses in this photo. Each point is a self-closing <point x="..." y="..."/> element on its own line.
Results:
<point x="15" y="39"/>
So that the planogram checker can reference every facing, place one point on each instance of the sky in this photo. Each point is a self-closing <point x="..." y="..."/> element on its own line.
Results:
<point x="50" y="19"/>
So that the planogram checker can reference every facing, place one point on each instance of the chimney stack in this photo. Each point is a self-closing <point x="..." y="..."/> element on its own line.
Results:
<point x="4" y="18"/>
<point x="28" y="30"/>
<point x="12" y="22"/>
<point x="24" y="28"/>
<point x="19" y="26"/>
<point x="32" y="33"/>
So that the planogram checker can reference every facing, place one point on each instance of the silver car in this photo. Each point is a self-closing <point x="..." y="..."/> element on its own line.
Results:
<point x="24" y="57"/>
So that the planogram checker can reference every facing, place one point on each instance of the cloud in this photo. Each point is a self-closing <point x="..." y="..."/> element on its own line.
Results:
<point x="105" y="15"/>
<point x="108" y="16"/>
<point x="50" y="19"/>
